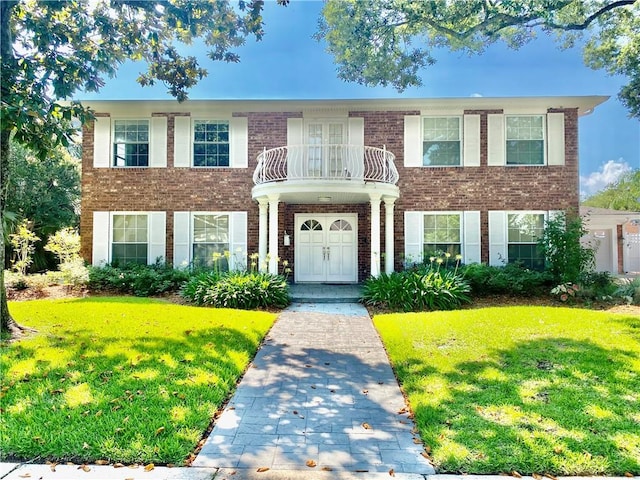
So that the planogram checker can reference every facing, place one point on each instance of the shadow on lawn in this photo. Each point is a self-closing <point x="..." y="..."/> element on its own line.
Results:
<point x="552" y="405"/>
<point x="81" y="396"/>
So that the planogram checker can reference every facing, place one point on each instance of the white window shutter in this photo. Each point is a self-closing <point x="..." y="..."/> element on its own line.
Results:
<point x="158" y="147"/>
<point x="412" y="141"/>
<point x="413" y="237"/>
<point x="471" y="138"/>
<point x="497" y="238"/>
<point x="182" y="142"/>
<point x="157" y="237"/>
<point x="239" y="142"/>
<point x="471" y="236"/>
<point x="496" y="139"/>
<point x="295" y="131"/>
<point x="295" y="136"/>
<point x="181" y="239"/>
<point x="101" y="238"/>
<point x="102" y="142"/>
<point x="555" y="139"/>
<point x="356" y="131"/>
<point x="238" y="240"/>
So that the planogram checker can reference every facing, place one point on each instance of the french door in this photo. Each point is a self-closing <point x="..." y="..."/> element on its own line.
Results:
<point x="326" y="247"/>
<point x="325" y="149"/>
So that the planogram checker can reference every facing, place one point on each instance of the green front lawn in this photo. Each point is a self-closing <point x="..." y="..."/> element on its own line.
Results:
<point x="120" y="379"/>
<point x="526" y="389"/>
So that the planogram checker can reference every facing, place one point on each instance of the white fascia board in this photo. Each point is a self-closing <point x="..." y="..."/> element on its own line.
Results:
<point x="585" y="105"/>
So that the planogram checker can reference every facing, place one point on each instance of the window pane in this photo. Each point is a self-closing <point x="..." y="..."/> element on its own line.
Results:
<point x="210" y="255"/>
<point x="529" y="255"/>
<point x="211" y="143"/>
<point x="441" y="141"/>
<point x="525" y="152"/>
<point x="441" y="153"/>
<point x="131" y="143"/>
<point x="442" y="233"/>
<point x="523" y="232"/>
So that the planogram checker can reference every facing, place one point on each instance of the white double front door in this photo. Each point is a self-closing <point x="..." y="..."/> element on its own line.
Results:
<point x="326" y="247"/>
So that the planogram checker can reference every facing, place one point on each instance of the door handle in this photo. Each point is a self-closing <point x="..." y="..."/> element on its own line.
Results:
<point x="328" y="253"/>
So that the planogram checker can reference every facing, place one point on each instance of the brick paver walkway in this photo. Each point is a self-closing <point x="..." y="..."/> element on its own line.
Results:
<point x="320" y="394"/>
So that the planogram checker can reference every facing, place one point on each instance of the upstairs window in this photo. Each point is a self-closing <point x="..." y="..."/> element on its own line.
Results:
<point x="211" y="143"/>
<point x="130" y="239"/>
<point x="441" y="141"/>
<point x="523" y="232"/>
<point x="442" y="234"/>
<point x="131" y="143"/>
<point x="525" y="140"/>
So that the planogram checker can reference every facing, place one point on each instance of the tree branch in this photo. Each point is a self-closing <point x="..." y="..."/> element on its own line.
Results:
<point x="591" y="18"/>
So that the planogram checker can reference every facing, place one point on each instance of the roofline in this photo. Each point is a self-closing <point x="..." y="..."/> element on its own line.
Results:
<point x="584" y="104"/>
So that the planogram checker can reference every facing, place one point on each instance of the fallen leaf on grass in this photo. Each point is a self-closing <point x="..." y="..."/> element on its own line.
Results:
<point x="149" y="467"/>
<point x="102" y="462"/>
<point x="311" y="463"/>
<point x="417" y="441"/>
<point x="516" y="474"/>
<point x="537" y="476"/>
<point x="84" y="468"/>
<point x="160" y="430"/>
<point x="262" y="469"/>
<point x="550" y="476"/>
<point x="628" y="474"/>
<point x="118" y="465"/>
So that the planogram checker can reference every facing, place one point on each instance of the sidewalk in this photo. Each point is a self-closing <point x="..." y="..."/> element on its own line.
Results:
<point x="320" y="394"/>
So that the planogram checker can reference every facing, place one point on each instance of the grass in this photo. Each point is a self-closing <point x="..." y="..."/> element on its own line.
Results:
<point x="525" y="389"/>
<point x="121" y="379"/>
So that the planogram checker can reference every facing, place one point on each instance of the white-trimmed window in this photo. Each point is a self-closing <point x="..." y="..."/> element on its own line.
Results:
<point x="211" y="143"/>
<point x="513" y="237"/>
<point x="429" y="234"/>
<point x="202" y="239"/>
<point x="442" y="234"/>
<point x="129" y="238"/>
<point x="210" y="241"/>
<point x="525" y="139"/>
<point x="131" y="143"/>
<point x="523" y="232"/>
<point x="441" y="141"/>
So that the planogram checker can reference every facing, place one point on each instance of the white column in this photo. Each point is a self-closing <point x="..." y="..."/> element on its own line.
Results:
<point x="375" y="234"/>
<point x="389" y="234"/>
<point x="273" y="233"/>
<point x="263" y="205"/>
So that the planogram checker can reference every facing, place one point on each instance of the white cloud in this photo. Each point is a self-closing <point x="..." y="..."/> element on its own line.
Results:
<point x="608" y="173"/>
<point x="476" y="95"/>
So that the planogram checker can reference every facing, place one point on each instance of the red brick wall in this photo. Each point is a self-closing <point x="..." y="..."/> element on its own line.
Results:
<point x="480" y="188"/>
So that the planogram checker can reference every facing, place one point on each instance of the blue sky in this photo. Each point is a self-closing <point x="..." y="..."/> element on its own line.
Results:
<point x="289" y="63"/>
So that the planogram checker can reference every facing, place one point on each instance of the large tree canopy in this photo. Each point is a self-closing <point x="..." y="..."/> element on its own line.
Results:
<point x="50" y="50"/>
<point x="622" y="195"/>
<point x="388" y="42"/>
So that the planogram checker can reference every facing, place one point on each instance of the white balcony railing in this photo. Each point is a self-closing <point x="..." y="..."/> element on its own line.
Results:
<point x="326" y="162"/>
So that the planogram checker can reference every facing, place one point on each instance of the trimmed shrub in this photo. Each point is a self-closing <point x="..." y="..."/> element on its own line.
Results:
<point x="417" y="290"/>
<point x="511" y="279"/>
<point x="139" y="280"/>
<point x="195" y="289"/>
<point x="248" y="290"/>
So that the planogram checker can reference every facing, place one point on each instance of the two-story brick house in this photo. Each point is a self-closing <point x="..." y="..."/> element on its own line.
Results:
<point x="341" y="189"/>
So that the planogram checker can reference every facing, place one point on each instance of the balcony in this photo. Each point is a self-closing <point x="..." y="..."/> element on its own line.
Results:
<point x="326" y="163"/>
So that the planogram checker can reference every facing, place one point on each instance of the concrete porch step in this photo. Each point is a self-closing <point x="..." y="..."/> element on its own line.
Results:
<point x="325" y="293"/>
